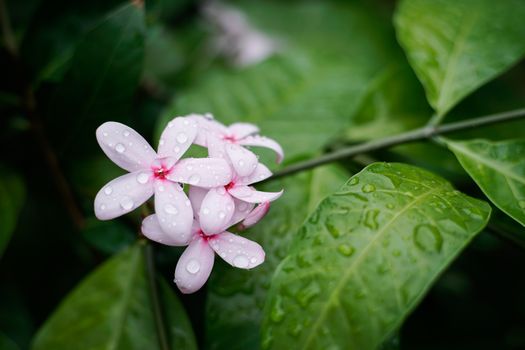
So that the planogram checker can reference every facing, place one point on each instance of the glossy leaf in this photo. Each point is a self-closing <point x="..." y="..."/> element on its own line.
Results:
<point x="112" y="309"/>
<point x="457" y="46"/>
<point x="366" y="257"/>
<point x="499" y="170"/>
<point x="103" y="75"/>
<point x="307" y="93"/>
<point x="12" y="193"/>
<point x="235" y="297"/>
<point x="108" y="236"/>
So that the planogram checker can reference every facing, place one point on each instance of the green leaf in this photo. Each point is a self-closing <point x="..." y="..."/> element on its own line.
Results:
<point x="499" y="170"/>
<point x="308" y="93"/>
<point x="12" y="194"/>
<point x="366" y="257"/>
<point x="112" y="309"/>
<point x="102" y="77"/>
<point x="235" y="297"/>
<point x="457" y="46"/>
<point x="108" y="236"/>
<point x="6" y="343"/>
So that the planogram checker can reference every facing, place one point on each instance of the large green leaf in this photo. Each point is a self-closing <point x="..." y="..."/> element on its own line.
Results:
<point x="499" y="170"/>
<point x="102" y="77"/>
<point x="112" y="309"/>
<point x="307" y="94"/>
<point x="236" y="297"/>
<point x="365" y="258"/>
<point x="12" y="193"/>
<point x="455" y="46"/>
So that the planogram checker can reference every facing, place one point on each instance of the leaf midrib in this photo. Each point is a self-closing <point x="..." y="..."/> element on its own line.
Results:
<point x="347" y="274"/>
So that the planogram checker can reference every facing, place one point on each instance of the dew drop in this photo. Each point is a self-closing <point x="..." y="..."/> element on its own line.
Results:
<point x="369" y="188"/>
<point x="522" y="204"/>
<point x="428" y="238"/>
<point x="241" y="261"/>
<point x="253" y="260"/>
<point x="126" y="133"/>
<point x="241" y="163"/>
<point x="353" y="181"/>
<point x="222" y="215"/>
<point x="126" y="203"/>
<point x="108" y="190"/>
<point x="205" y="211"/>
<point x="193" y="266"/>
<point x="171" y="209"/>
<point x="120" y="148"/>
<point x="142" y="178"/>
<point x="345" y="249"/>
<point x="102" y="207"/>
<point x="194" y="179"/>
<point x="181" y="137"/>
<point x="371" y="219"/>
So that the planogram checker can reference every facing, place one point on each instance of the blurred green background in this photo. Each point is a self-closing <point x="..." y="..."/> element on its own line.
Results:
<point x="321" y="74"/>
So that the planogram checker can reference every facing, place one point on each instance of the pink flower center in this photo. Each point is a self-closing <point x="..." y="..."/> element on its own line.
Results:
<point x="160" y="173"/>
<point x="205" y="236"/>
<point x="229" y="138"/>
<point x="229" y="186"/>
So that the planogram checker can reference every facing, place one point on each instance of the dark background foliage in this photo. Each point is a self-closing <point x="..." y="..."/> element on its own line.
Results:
<point x="67" y="66"/>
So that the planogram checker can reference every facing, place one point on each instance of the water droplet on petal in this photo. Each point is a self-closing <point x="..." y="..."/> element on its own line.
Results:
<point x="126" y="203"/>
<point x="120" y="148"/>
<point x="126" y="133"/>
<point x="194" y="179"/>
<point x="188" y="203"/>
<point x="222" y="215"/>
<point x="181" y="137"/>
<point x="171" y="209"/>
<point x="241" y="163"/>
<point x="205" y="211"/>
<point x="176" y="149"/>
<point x="108" y="190"/>
<point x="142" y="178"/>
<point x="253" y="260"/>
<point x="193" y="266"/>
<point x="241" y="261"/>
<point x="102" y="207"/>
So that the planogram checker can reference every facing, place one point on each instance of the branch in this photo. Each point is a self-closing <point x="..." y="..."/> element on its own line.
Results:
<point x="424" y="133"/>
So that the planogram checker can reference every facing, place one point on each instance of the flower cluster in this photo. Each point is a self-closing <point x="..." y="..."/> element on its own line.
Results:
<point x="220" y="193"/>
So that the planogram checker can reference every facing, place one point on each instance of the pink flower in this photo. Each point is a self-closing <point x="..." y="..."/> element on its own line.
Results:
<point x="195" y="264"/>
<point x="227" y="142"/>
<point x="219" y="204"/>
<point x="156" y="173"/>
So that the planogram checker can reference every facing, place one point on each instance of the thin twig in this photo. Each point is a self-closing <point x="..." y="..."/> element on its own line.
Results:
<point x="160" y="324"/>
<point x="426" y="132"/>
<point x="7" y="31"/>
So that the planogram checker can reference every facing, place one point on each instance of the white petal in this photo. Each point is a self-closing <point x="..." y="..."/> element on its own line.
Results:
<point x="255" y="215"/>
<point x="260" y="173"/>
<point x="241" y="130"/>
<point x="237" y="251"/>
<point x="123" y="194"/>
<point x="250" y="195"/>
<point x="206" y="125"/>
<point x="216" y="211"/>
<point x="196" y="195"/>
<point x="124" y="146"/>
<point x="202" y="172"/>
<point x="216" y="146"/>
<point x="262" y="141"/>
<point x="243" y="161"/>
<point x="241" y="211"/>
<point x="173" y="209"/>
<point x="177" y="137"/>
<point x="194" y="266"/>
<point x="152" y="230"/>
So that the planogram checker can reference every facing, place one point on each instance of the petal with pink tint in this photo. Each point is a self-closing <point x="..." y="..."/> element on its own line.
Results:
<point x="248" y="194"/>
<point x="124" y="146"/>
<point x="260" y="173"/>
<point x="123" y="194"/>
<point x="237" y="251"/>
<point x="194" y="266"/>
<point x="202" y="172"/>
<point x="216" y="146"/>
<point x="241" y="130"/>
<point x="243" y="161"/>
<point x="196" y="195"/>
<point x="241" y="211"/>
<point x="261" y="141"/>
<point x="255" y="215"/>
<point x="207" y="125"/>
<point x="152" y="230"/>
<point x="173" y="209"/>
<point x="177" y="137"/>
<point x="216" y="211"/>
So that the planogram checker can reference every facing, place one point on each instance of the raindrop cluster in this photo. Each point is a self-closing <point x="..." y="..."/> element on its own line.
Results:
<point x="196" y="200"/>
